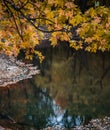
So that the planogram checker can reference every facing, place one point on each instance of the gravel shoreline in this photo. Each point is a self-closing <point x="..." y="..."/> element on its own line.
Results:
<point x="94" y="124"/>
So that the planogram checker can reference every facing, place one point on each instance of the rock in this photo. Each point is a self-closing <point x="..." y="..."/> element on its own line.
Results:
<point x="12" y="70"/>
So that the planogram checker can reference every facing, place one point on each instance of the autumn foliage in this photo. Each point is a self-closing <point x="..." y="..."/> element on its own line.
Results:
<point x="23" y="24"/>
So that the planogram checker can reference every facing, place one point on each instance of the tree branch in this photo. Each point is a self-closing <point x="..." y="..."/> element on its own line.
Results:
<point x="13" y="19"/>
<point x="30" y="19"/>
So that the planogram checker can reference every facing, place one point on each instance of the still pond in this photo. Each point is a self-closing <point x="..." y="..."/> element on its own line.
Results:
<point x="71" y="89"/>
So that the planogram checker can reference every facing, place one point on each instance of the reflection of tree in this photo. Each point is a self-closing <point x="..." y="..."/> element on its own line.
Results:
<point x="74" y="83"/>
<point x="39" y="109"/>
<point x="71" y="82"/>
<point x="33" y="110"/>
<point x="68" y="121"/>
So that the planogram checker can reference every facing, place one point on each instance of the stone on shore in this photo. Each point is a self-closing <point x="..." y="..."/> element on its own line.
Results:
<point x="12" y="70"/>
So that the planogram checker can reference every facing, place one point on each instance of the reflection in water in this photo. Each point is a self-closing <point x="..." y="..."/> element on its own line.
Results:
<point x="29" y="106"/>
<point x="69" y="91"/>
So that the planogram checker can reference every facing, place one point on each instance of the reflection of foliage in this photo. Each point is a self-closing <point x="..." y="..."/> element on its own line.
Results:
<point x="71" y="121"/>
<point x="38" y="111"/>
<point x="75" y="83"/>
<point x="32" y="107"/>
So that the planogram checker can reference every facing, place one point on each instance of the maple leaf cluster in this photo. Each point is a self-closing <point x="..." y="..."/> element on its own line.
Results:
<point x="23" y="24"/>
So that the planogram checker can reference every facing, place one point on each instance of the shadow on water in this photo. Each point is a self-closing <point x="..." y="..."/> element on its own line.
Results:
<point x="72" y="88"/>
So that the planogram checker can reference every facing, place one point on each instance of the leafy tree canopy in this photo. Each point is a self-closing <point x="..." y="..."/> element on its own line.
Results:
<point x="24" y="22"/>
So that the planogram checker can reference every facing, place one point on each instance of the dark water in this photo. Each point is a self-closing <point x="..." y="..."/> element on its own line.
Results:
<point x="72" y="88"/>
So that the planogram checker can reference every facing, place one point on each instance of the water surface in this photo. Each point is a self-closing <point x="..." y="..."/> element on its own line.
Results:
<point x="72" y="88"/>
